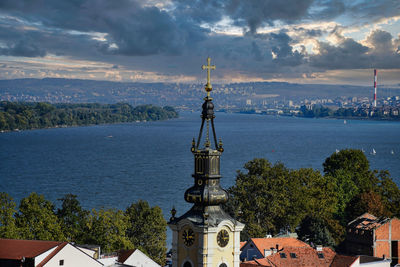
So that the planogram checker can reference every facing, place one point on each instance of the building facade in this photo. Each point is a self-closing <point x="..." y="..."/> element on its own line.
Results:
<point x="378" y="237"/>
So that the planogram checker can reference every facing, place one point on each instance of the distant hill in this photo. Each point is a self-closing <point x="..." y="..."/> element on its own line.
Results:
<point x="90" y="91"/>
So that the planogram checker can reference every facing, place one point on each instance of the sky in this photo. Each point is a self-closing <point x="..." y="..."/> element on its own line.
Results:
<point x="299" y="41"/>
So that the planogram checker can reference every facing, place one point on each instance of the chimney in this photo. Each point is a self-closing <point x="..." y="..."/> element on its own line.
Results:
<point x="267" y="252"/>
<point x="319" y="248"/>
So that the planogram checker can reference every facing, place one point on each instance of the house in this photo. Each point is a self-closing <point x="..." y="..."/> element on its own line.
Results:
<point x="295" y="256"/>
<point x="262" y="247"/>
<point x="313" y="257"/>
<point x="128" y="258"/>
<point x="135" y="257"/>
<point x="35" y="253"/>
<point x="372" y="236"/>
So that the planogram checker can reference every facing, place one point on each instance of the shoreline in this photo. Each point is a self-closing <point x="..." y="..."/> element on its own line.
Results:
<point x="84" y="125"/>
<point x="327" y="117"/>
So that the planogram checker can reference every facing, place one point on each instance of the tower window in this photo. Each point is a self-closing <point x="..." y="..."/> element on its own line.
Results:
<point x="187" y="264"/>
<point x="223" y="265"/>
<point x="61" y="262"/>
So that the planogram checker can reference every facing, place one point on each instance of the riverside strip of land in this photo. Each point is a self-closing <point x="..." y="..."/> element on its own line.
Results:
<point x="26" y="116"/>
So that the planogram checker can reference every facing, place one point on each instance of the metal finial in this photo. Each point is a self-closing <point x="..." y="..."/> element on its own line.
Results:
<point x="193" y="145"/>
<point x="209" y="67"/>
<point x="173" y="213"/>
<point x="220" y="148"/>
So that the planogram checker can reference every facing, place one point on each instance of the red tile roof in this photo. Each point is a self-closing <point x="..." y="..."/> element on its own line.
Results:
<point x="304" y="256"/>
<point x="242" y="244"/>
<point x="282" y="242"/>
<point x="15" y="249"/>
<point x="343" y="261"/>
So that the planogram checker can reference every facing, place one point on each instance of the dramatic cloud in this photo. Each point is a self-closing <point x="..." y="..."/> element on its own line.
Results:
<point x="250" y="39"/>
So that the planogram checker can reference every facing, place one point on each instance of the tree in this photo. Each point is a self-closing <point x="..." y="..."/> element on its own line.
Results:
<point x="355" y="164"/>
<point x="36" y="219"/>
<point x="389" y="192"/>
<point x="274" y="199"/>
<point x="147" y="230"/>
<point x="107" y="228"/>
<point x="370" y="202"/>
<point x="260" y="195"/>
<point x="345" y="189"/>
<point x="314" y="231"/>
<point x="8" y="228"/>
<point x="73" y="218"/>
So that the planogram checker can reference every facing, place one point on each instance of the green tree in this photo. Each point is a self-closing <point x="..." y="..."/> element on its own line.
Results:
<point x="316" y="195"/>
<point x="107" y="228"/>
<point x="389" y="192"/>
<point x="147" y="230"/>
<point x="345" y="189"/>
<point x="273" y="199"/>
<point x="36" y="219"/>
<point x="8" y="228"/>
<point x="73" y="218"/>
<point x="349" y="159"/>
<point x="314" y="231"/>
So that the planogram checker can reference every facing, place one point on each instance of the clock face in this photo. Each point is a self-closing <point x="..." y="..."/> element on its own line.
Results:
<point x="188" y="237"/>
<point x="223" y="238"/>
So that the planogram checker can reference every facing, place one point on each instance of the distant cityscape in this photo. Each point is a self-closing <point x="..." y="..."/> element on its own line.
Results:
<point x="259" y="97"/>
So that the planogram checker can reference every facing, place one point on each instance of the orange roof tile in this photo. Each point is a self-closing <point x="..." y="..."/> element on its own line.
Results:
<point x="15" y="249"/>
<point x="304" y="256"/>
<point x="282" y="242"/>
<point x="242" y="244"/>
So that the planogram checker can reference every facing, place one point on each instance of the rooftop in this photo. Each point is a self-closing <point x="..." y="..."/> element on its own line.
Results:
<point x="15" y="249"/>
<point x="367" y="222"/>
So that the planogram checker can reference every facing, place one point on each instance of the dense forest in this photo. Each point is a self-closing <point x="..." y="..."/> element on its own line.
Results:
<point x="139" y="226"/>
<point x="273" y="199"/>
<point x="24" y="116"/>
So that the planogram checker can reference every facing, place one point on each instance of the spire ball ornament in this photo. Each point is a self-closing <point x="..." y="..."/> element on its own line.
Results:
<point x="209" y="67"/>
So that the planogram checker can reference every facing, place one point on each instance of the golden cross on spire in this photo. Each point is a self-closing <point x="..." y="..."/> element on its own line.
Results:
<point x="209" y="68"/>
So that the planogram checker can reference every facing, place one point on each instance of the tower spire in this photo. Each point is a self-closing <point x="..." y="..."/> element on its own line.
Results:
<point x="207" y="114"/>
<point x="206" y="235"/>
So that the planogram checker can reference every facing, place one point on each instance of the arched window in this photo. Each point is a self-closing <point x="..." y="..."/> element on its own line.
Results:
<point x="187" y="264"/>
<point x="223" y="265"/>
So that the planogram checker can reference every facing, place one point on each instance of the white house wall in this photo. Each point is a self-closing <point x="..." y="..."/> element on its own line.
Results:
<point x="139" y="259"/>
<point x="41" y="257"/>
<point x="72" y="257"/>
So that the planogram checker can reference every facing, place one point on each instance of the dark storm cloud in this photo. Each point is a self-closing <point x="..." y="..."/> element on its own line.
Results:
<point x="349" y="54"/>
<point x="171" y="41"/>
<point x="23" y="48"/>
<point x="129" y="27"/>
<point x="327" y="9"/>
<point x="257" y="12"/>
<point x="368" y="11"/>
<point x="250" y="14"/>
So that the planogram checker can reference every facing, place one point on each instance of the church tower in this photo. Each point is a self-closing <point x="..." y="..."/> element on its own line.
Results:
<point x="206" y="236"/>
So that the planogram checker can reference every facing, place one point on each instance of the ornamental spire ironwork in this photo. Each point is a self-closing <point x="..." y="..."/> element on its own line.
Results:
<point x="207" y="114"/>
